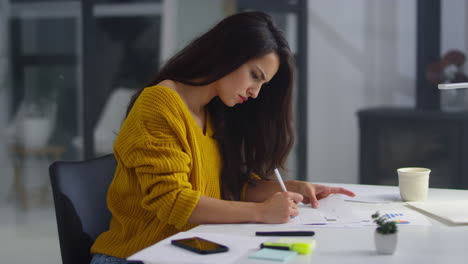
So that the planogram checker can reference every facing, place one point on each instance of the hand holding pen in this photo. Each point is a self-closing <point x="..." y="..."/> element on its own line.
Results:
<point x="312" y="192"/>
<point x="282" y="205"/>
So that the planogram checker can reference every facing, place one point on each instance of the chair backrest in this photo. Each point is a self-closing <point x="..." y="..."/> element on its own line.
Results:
<point x="79" y="190"/>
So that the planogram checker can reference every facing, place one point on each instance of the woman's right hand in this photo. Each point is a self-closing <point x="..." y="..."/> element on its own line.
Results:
<point x="280" y="207"/>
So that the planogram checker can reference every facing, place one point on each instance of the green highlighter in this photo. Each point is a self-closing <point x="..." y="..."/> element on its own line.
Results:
<point x="300" y="248"/>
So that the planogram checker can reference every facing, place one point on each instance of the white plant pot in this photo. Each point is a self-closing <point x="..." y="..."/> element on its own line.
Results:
<point x="385" y="243"/>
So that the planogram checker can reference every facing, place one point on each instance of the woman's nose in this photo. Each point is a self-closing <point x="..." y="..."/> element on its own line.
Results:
<point x="254" y="91"/>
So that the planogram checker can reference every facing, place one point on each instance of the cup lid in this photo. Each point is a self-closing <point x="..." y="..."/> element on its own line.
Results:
<point x="414" y="169"/>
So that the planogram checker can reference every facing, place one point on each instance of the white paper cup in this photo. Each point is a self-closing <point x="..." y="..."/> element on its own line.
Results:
<point x="413" y="183"/>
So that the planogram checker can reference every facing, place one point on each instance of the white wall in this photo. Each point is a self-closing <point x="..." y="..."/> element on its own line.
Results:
<point x="184" y="20"/>
<point x="5" y="167"/>
<point x="361" y="54"/>
<point x="4" y="9"/>
<point x="454" y="26"/>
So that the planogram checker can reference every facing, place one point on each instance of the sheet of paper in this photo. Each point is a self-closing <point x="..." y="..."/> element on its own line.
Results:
<point x="455" y="211"/>
<point x="402" y="216"/>
<point x="334" y="211"/>
<point x="164" y="252"/>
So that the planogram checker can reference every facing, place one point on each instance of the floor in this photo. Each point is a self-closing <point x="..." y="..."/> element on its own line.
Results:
<point x="30" y="235"/>
<point x="26" y="236"/>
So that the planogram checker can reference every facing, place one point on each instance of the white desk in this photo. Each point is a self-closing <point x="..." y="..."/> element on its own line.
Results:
<point x="439" y="243"/>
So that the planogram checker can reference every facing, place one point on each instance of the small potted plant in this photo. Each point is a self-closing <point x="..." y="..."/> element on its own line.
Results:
<point x="385" y="236"/>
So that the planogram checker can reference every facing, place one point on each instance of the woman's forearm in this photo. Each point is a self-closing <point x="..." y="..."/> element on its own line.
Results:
<point x="262" y="190"/>
<point x="214" y="211"/>
<point x="275" y="210"/>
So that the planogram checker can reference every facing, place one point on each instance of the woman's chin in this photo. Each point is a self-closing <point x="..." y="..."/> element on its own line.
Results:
<point x="231" y="103"/>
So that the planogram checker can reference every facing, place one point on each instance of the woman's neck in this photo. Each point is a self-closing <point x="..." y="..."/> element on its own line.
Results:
<point x="196" y="97"/>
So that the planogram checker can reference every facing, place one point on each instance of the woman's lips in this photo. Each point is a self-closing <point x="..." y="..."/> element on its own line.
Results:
<point x="243" y="99"/>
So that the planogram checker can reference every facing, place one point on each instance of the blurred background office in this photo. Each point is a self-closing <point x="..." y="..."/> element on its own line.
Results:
<point x="366" y="101"/>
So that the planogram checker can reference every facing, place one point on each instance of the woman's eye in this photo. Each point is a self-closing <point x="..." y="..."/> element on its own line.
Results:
<point x="254" y="75"/>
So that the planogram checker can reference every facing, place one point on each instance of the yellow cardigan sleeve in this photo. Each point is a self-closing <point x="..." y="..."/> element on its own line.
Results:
<point x="151" y="143"/>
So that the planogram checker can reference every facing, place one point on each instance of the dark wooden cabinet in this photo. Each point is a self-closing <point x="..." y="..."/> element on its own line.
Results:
<point x="391" y="138"/>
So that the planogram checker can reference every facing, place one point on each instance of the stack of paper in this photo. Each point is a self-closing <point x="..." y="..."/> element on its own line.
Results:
<point x="452" y="211"/>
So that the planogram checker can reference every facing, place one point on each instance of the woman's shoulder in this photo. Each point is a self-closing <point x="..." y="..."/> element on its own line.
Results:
<point x="163" y="89"/>
<point x="160" y="96"/>
<point x="168" y="84"/>
<point x="159" y="101"/>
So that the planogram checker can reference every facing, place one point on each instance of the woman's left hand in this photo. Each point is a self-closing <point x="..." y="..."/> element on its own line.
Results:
<point x="314" y="192"/>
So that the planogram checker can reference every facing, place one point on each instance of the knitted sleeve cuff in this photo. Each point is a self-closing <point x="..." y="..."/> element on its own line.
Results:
<point x="183" y="207"/>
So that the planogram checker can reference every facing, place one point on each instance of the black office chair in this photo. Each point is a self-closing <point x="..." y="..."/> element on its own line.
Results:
<point x="79" y="189"/>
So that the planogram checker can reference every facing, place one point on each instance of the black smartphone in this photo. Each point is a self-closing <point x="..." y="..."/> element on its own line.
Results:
<point x="199" y="245"/>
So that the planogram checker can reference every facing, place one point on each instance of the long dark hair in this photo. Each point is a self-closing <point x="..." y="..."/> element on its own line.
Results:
<point x="256" y="136"/>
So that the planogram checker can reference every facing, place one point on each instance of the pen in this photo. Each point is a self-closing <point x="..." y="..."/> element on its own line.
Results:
<point x="280" y="180"/>
<point x="285" y="233"/>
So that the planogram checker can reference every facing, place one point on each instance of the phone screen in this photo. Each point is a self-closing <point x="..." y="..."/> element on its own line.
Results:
<point x="199" y="245"/>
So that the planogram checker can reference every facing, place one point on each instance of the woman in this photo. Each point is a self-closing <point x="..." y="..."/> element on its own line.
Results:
<point x="200" y="144"/>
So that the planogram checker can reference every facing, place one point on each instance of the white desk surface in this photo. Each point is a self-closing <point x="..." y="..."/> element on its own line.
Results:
<point x="440" y="243"/>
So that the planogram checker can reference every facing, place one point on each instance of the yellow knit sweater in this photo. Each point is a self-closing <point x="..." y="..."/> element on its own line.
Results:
<point x="164" y="163"/>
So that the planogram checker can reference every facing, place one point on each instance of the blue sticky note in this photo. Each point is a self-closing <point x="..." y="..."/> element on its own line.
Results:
<point x="273" y="254"/>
